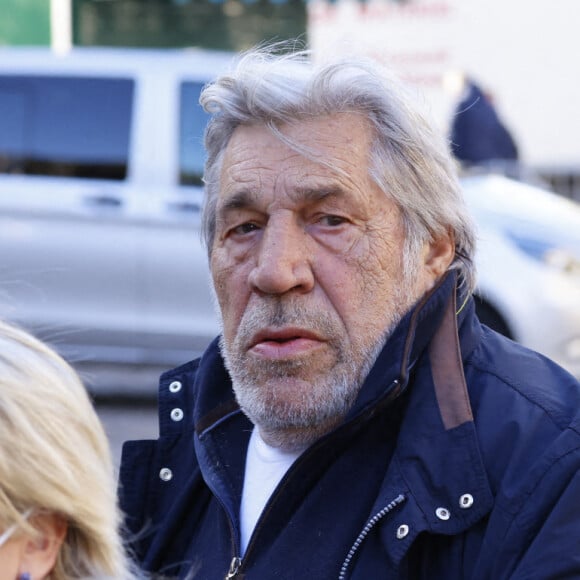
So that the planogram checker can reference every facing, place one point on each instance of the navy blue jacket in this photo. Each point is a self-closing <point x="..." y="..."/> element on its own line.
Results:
<point x="460" y="459"/>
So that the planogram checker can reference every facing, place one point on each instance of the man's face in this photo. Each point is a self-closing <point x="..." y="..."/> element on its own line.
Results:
<point x="307" y="267"/>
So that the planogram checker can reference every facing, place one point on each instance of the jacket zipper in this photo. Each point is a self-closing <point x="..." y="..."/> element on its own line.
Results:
<point x="235" y="565"/>
<point x="236" y="562"/>
<point x="365" y="532"/>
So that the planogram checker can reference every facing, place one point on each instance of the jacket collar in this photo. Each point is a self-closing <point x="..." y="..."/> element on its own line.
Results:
<point x="407" y="343"/>
<point x="437" y="466"/>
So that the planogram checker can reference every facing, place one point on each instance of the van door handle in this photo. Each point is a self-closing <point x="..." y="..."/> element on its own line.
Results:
<point x="103" y="200"/>
<point x="184" y="206"/>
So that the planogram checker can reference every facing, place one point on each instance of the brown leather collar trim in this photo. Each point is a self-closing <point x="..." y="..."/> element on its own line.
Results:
<point x="447" y="370"/>
<point x="412" y="327"/>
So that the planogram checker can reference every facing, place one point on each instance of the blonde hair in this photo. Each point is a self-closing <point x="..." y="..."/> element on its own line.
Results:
<point x="55" y="458"/>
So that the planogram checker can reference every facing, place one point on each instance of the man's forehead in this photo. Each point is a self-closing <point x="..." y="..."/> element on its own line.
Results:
<point x="313" y="139"/>
<point x="247" y="198"/>
<point x="308" y="162"/>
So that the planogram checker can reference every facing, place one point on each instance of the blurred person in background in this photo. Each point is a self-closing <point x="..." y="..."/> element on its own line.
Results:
<point x="58" y="512"/>
<point x="478" y="135"/>
<point x="354" y="420"/>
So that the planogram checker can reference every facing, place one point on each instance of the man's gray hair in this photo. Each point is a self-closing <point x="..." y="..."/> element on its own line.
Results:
<point x="410" y="159"/>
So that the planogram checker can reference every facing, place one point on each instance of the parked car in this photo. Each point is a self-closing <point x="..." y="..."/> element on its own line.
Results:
<point x="100" y="192"/>
<point x="101" y="160"/>
<point x="529" y="265"/>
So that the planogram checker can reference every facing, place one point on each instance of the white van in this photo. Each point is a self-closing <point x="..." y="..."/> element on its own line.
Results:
<point x="101" y="159"/>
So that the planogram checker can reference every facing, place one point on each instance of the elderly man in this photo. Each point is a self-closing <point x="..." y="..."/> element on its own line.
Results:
<point x="354" y="420"/>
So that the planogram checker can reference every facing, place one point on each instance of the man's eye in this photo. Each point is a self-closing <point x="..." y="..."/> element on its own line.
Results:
<point x="332" y="220"/>
<point x="245" y="228"/>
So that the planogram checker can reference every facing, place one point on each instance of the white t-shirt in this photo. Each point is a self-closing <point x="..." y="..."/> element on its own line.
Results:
<point x="265" y="468"/>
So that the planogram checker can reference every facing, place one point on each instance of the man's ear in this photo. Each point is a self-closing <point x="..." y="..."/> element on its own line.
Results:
<point x="40" y="553"/>
<point x="437" y="257"/>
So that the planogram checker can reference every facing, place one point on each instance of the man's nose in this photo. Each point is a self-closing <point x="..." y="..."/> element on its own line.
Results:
<point x="283" y="262"/>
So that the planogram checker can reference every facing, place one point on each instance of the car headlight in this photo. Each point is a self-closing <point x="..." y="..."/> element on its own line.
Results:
<point x="549" y="252"/>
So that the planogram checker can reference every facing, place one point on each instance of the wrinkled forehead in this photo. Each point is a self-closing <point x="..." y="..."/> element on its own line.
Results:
<point x="315" y="138"/>
<point x="308" y="153"/>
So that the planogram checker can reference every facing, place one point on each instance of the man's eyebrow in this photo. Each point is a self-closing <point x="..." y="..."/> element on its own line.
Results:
<point x="318" y="194"/>
<point x="238" y="200"/>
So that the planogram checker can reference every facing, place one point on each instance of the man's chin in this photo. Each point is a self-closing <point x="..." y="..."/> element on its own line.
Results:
<point x="290" y="412"/>
<point x="294" y="436"/>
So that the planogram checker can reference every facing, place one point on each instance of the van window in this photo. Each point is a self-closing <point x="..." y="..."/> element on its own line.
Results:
<point x="193" y="120"/>
<point x="65" y="126"/>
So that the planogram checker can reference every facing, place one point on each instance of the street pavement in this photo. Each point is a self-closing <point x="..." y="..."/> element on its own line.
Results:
<point x="127" y="419"/>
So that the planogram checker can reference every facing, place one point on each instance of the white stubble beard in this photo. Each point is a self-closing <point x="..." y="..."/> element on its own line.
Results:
<point x="324" y="398"/>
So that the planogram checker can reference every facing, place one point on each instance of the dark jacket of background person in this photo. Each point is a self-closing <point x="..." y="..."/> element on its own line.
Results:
<point x="478" y="135"/>
<point x="479" y="476"/>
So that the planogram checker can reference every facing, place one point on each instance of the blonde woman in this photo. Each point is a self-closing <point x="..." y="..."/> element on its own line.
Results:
<point x="58" y="511"/>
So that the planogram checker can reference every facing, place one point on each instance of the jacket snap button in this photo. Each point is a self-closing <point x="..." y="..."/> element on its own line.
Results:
<point x="466" y="501"/>
<point x="402" y="531"/>
<point x="175" y="387"/>
<point x="166" y="474"/>
<point x="176" y="414"/>
<point x="442" y="513"/>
